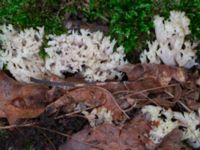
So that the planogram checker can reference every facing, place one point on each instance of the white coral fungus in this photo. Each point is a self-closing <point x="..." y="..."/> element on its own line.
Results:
<point x="20" y="52"/>
<point x="167" y="120"/>
<point x="98" y="116"/>
<point x="170" y="46"/>
<point x="91" y="54"/>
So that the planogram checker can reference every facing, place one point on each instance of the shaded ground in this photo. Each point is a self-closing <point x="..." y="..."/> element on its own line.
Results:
<point x="46" y="135"/>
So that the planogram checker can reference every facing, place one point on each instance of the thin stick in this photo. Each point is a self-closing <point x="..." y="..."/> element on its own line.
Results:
<point x="188" y="109"/>
<point x="18" y="126"/>
<point x="150" y="99"/>
<point x="50" y="142"/>
<point x="142" y="91"/>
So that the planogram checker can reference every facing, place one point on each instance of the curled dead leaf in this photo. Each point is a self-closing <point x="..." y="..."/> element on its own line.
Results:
<point x="19" y="101"/>
<point x="92" y="96"/>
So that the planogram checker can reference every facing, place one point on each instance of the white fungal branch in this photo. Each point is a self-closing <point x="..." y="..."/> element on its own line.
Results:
<point x="170" y="46"/>
<point x="167" y="120"/>
<point x="20" y="52"/>
<point x="91" y="54"/>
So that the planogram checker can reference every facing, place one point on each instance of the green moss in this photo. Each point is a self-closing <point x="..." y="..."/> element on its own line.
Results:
<point x="131" y="21"/>
<point x="33" y="13"/>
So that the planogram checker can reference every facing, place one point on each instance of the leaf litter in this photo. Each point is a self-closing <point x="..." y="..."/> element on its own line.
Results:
<point x="108" y="106"/>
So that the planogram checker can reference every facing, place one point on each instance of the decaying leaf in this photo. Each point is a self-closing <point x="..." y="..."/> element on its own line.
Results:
<point x="132" y="135"/>
<point x="8" y="88"/>
<point x="162" y="73"/>
<point x="20" y="101"/>
<point x="91" y="95"/>
<point x="173" y="141"/>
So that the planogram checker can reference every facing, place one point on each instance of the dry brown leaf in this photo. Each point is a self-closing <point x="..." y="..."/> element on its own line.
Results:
<point x="13" y="113"/>
<point x="19" y="101"/>
<point x="91" y="95"/>
<point x="191" y="95"/>
<point x="135" y="86"/>
<point x="162" y="96"/>
<point x="8" y="88"/>
<point x="143" y="84"/>
<point x="2" y="114"/>
<point x="162" y="73"/>
<point x="172" y="141"/>
<point x="108" y="136"/>
<point x="146" y="76"/>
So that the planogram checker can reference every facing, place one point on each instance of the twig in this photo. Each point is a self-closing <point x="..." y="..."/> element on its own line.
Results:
<point x="188" y="109"/>
<point x="113" y="99"/>
<point x="51" y="83"/>
<point x="129" y="109"/>
<point x="168" y="93"/>
<point x="147" y="90"/>
<point x="124" y="83"/>
<point x="50" y="142"/>
<point x="18" y="126"/>
<point x="150" y="99"/>
<point x="142" y="91"/>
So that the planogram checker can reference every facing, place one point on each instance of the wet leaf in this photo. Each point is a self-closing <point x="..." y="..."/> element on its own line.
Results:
<point x="19" y="101"/>
<point x="108" y="136"/>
